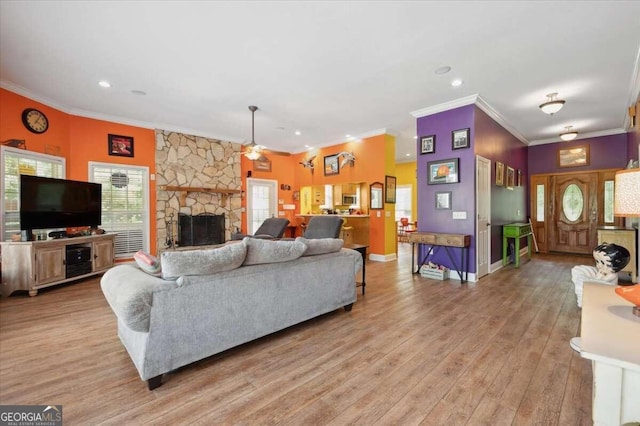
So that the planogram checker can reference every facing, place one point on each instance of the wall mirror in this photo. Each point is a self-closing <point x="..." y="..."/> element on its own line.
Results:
<point x="376" y="195"/>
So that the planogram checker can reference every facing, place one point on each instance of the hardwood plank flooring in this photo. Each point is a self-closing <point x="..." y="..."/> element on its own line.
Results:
<point x="412" y="351"/>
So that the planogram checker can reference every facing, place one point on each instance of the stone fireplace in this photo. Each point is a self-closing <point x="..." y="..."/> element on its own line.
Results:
<point x="195" y="164"/>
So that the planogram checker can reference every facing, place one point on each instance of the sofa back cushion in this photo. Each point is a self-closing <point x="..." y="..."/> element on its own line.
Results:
<point x="202" y="262"/>
<point x="268" y="251"/>
<point x="321" y="245"/>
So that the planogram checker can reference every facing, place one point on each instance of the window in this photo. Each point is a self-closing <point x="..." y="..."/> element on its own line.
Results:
<point x="403" y="202"/>
<point x="14" y="163"/>
<point x="261" y="202"/>
<point x="125" y="205"/>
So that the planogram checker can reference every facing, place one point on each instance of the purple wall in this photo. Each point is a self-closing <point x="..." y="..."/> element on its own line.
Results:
<point x="605" y="152"/>
<point x="495" y="143"/>
<point x="463" y="193"/>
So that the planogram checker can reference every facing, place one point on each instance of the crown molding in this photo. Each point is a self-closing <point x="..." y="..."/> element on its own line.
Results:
<point x="478" y="101"/>
<point x="580" y="136"/>
<point x="33" y="96"/>
<point x="446" y="106"/>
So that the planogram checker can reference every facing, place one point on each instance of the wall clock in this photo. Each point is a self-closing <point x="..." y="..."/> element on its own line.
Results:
<point x="35" y="121"/>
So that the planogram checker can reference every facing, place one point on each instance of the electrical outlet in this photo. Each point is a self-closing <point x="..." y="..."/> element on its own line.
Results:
<point x="378" y="214"/>
<point x="387" y="214"/>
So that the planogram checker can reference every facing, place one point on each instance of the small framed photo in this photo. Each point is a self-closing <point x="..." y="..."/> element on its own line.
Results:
<point x="428" y="144"/>
<point x="390" y="189"/>
<point x="499" y="174"/>
<point x="511" y="178"/>
<point x="443" y="171"/>
<point x="443" y="200"/>
<point x="460" y="139"/>
<point x="262" y="164"/>
<point x="573" y="157"/>
<point x="331" y="165"/>
<point x="120" y="145"/>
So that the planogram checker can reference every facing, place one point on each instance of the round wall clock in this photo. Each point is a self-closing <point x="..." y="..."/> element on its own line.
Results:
<point x="35" y="121"/>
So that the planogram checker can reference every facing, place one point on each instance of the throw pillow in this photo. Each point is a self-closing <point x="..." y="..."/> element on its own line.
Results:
<point x="148" y="263"/>
<point x="321" y="245"/>
<point x="202" y="262"/>
<point x="268" y="251"/>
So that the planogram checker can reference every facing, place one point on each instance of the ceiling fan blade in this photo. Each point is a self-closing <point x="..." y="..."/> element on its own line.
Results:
<point x="286" y="154"/>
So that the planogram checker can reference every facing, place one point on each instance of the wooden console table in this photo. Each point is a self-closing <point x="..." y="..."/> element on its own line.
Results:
<point x="434" y="241"/>
<point x="516" y="231"/>
<point x="610" y="338"/>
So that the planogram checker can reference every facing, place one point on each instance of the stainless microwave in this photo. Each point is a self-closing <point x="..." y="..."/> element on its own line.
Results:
<point x="348" y="200"/>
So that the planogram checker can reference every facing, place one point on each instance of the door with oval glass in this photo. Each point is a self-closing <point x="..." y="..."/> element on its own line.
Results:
<point x="573" y="213"/>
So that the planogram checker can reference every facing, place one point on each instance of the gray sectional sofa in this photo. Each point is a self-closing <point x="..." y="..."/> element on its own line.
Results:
<point x="207" y="301"/>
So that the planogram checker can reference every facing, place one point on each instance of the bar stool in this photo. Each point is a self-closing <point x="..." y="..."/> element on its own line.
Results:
<point x="346" y="233"/>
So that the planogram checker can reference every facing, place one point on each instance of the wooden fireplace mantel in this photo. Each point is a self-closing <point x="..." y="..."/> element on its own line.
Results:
<point x="224" y="193"/>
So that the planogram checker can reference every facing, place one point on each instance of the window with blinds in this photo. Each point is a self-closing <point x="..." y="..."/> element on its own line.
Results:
<point x="15" y="162"/>
<point x="124" y="205"/>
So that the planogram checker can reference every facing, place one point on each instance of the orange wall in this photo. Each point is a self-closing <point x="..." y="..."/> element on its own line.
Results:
<point x="79" y="140"/>
<point x="11" y="127"/>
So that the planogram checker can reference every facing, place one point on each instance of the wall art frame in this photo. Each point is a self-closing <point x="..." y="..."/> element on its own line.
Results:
<point x="511" y="177"/>
<point x="428" y="144"/>
<point x="499" y="174"/>
<point x="443" y="200"/>
<point x="575" y="156"/>
<point x="121" y="146"/>
<point x="443" y="171"/>
<point x="262" y="164"/>
<point x="331" y="165"/>
<point x="460" y="139"/>
<point x="390" y="189"/>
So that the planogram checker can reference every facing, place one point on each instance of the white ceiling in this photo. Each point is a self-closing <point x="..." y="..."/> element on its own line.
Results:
<point x="325" y="68"/>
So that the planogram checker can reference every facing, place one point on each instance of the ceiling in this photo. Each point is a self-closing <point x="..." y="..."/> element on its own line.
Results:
<point x="325" y="69"/>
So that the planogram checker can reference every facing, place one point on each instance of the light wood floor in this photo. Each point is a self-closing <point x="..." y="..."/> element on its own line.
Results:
<point x="412" y="351"/>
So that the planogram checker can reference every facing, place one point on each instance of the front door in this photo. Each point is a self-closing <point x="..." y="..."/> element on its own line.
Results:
<point x="573" y="213"/>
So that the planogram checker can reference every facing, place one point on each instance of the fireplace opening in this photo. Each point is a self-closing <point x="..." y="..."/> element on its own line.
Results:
<point x="201" y="230"/>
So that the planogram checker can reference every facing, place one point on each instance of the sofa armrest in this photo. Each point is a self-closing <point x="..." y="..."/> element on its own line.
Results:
<point x="129" y="291"/>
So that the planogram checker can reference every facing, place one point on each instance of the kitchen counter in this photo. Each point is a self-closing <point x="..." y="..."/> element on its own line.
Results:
<point x="341" y="215"/>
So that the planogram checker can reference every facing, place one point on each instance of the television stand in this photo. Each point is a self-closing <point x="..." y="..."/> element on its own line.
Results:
<point x="32" y="265"/>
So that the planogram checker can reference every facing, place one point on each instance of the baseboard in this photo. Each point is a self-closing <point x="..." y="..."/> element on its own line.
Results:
<point x="383" y="257"/>
<point x="498" y="265"/>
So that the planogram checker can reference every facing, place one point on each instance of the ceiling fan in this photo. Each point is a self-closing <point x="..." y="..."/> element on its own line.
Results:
<point x="252" y="150"/>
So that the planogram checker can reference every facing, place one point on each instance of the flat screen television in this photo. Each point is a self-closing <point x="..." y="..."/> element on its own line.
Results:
<point x="47" y="203"/>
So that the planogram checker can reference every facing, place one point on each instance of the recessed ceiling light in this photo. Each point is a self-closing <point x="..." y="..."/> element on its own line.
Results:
<point x="408" y="155"/>
<point x="347" y="136"/>
<point x="443" y="70"/>
<point x="415" y="137"/>
<point x="457" y="82"/>
<point x="139" y="92"/>
<point x="104" y="83"/>
<point x="298" y="133"/>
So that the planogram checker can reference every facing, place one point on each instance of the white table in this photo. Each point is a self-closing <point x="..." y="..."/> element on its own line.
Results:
<point x="611" y="339"/>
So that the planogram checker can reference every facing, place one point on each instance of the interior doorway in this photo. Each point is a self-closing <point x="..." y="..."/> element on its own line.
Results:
<point x="483" y="207"/>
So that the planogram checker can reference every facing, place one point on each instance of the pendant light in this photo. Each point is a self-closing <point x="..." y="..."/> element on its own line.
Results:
<point x="568" y="134"/>
<point x="253" y="151"/>
<point x="552" y="105"/>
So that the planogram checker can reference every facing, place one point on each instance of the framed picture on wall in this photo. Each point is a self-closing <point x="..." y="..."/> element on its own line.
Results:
<point x="331" y="165"/>
<point x="443" y="200"/>
<point x="262" y="164"/>
<point x="573" y="157"/>
<point x="460" y="139"/>
<point x="443" y="171"/>
<point x="428" y="144"/>
<point x="120" y="145"/>
<point x="390" y="189"/>
<point x="511" y="178"/>
<point x="499" y="173"/>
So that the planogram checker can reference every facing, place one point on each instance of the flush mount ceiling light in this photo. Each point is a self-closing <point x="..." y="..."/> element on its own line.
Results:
<point x="552" y="105"/>
<point x="568" y="134"/>
<point x="104" y="84"/>
<point x="457" y="82"/>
